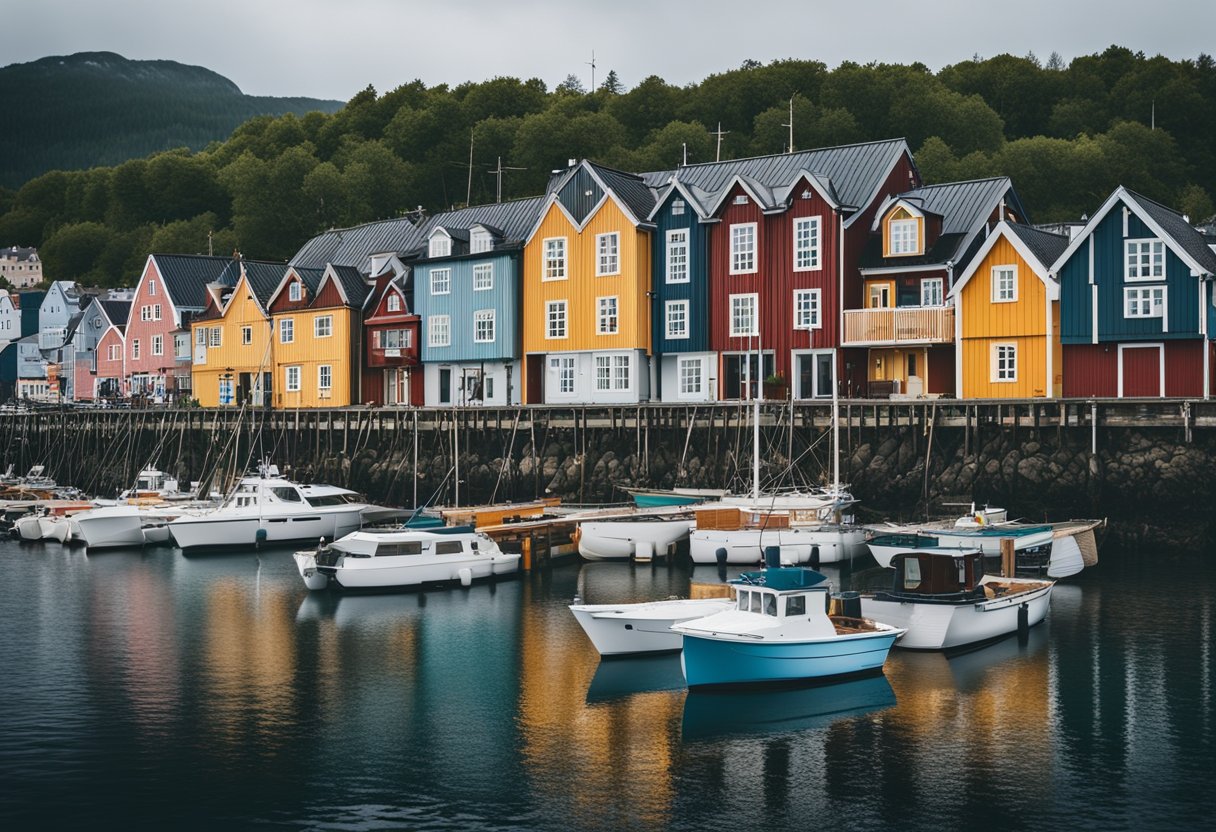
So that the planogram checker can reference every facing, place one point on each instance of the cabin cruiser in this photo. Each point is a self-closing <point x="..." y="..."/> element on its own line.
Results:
<point x="778" y="630"/>
<point x="626" y="629"/>
<point x="396" y="558"/>
<point x="803" y="535"/>
<point x="944" y="600"/>
<point x="271" y="509"/>
<point x="124" y="526"/>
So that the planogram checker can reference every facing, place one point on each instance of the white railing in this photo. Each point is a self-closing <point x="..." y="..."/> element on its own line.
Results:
<point x="899" y="325"/>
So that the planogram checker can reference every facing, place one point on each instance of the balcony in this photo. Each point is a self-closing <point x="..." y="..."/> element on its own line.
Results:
<point x="898" y="325"/>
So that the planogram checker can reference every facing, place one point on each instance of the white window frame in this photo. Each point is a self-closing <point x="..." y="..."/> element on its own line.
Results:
<point x="553" y="332"/>
<point x="287" y="330"/>
<point x="480" y="241"/>
<point x="329" y="326"/>
<point x="156" y="311"/>
<point x="677" y="207"/>
<point x="291" y="379"/>
<point x="135" y="350"/>
<point x="1008" y="373"/>
<point x="1000" y="292"/>
<point x="676" y="311"/>
<point x="554" y="259"/>
<point x="483" y="326"/>
<point x="1134" y="252"/>
<point x="807" y="240"/>
<point x="436" y="326"/>
<point x="608" y="315"/>
<point x="743" y="259"/>
<point x="483" y="277"/>
<point x="294" y="292"/>
<point x="439" y="287"/>
<point x="151" y="288"/>
<point x="677" y="256"/>
<point x="607" y="254"/>
<point x="565" y="366"/>
<point x="808" y="309"/>
<point x="613" y="372"/>
<point x="145" y="313"/>
<point x="683" y="363"/>
<point x="114" y="352"/>
<point x="736" y="303"/>
<point x="394" y="302"/>
<point x="937" y="283"/>
<point x="905" y="236"/>
<point x="439" y="245"/>
<point x="246" y="335"/>
<point x="158" y="345"/>
<point x="324" y="383"/>
<point x="1136" y="299"/>
<point x="215" y="336"/>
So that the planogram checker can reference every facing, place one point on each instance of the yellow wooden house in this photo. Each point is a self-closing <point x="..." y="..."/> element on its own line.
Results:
<point x="1007" y="317"/>
<point x="317" y="324"/>
<point x="586" y="273"/>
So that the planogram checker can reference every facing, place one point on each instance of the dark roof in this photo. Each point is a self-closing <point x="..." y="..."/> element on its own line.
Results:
<point x="1044" y="245"/>
<point x="185" y="277"/>
<point x="853" y="172"/>
<point x="1182" y="232"/>
<point x="116" y="310"/>
<point x="353" y="284"/>
<point x="629" y="188"/>
<point x="310" y="277"/>
<point x="354" y="246"/>
<point x="511" y="220"/>
<point x="73" y="325"/>
<point x="17" y="253"/>
<point x="263" y="278"/>
<point x="964" y="207"/>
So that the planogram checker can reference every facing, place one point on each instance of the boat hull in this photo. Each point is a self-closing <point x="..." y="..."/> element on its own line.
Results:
<point x="627" y="629"/>
<point x="28" y="528"/>
<point x="403" y="571"/>
<point x="218" y="531"/>
<point x="113" y="527"/>
<point x="745" y="546"/>
<point x="939" y="626"/>
<point x="621" y="540"/>
<point x="712" y="661"/>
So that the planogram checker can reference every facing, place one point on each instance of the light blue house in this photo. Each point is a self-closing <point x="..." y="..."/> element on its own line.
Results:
<point x="467" y="287"/>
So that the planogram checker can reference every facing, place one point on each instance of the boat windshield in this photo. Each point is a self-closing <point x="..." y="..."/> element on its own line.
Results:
<point x="327" y="500"/>
<point x="795" y="605"/>
<point x="409" y="547"/>
<point x="286" y="494"/>
<point x="770" y="604"/>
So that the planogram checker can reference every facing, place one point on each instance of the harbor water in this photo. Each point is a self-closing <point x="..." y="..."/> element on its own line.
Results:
<point x="153" y="690"/>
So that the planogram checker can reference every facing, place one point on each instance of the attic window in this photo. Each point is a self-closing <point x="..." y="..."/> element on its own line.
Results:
<point x="441" y="246"/>
<point x="740" y="200"/>
<point x="903" y="237"/>
<point x="480" y="241"/>
<point x="677" y="207"/>
<point x="806" y="194"/>
<point x="293" y="291"/>
<point x="394" y="303"/>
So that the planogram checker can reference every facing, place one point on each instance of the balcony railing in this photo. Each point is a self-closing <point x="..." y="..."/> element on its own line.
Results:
<point x="899" y="325"/>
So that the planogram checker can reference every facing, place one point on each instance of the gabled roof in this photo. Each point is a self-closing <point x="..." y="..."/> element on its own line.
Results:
<point x="964" y="208"/>
<point x="631" y="193"/>
<point x="18" y="253"/>
<point x="350" y="283"/>
<point x="353" y="246"/>
<point x="310" y="278"/>
<point x="263" y="278"/>
<point x="73" y="325"/>
<point x="1039" y="249"/>
<point x="117" y="311"/>
<point x="185" y="276"/>
<point x="1182" y="238"/>
<point x="512" y="220"/>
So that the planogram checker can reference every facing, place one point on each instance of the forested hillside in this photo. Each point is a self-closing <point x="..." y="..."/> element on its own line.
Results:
<point x="98" y="108"/>
<point x="1067" y="134"/>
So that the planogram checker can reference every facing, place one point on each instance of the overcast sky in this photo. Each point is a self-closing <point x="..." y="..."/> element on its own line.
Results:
<point x="334" y="48"/>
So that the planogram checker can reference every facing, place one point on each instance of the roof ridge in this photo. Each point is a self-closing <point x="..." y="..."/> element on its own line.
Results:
<point x="598" y="166"/>
<point x="795" y="153"/>
<point x="1139" y="195"/>
<point x="1021" y="226"/>
<point x="960" y="182"/>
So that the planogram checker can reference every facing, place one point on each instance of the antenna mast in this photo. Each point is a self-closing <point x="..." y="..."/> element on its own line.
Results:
<point x="468" y="197"/>
<point x="791" y="124"/>
<point x="719" y="133"/>
<point x="498" y="173"/>
<point x="591" y="63"/>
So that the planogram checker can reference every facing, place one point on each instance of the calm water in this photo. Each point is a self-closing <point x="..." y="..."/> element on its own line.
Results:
<point x="153" y="689"/>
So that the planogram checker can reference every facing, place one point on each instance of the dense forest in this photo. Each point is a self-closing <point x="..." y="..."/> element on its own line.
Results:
<point x="1066" y="133"/>
<point x="99" y="108"/>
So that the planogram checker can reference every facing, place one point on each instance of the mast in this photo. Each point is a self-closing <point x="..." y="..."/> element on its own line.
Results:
<point x="756" y="404"/>
<point x="835" y="430"/>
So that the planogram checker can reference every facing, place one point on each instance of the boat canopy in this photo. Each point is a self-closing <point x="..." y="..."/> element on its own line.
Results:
<point x="937" y="573"/>
<point x="783" y="579"/>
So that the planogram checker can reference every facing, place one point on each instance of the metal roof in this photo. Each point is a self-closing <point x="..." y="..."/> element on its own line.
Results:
<point x="185" y="277"/>
<point x="353" y="285"/>
<point x="116" y="310"/>
<point x="263" y="278"/>
<point x="354" y="246"/>
<point x="1183" y="233"/>
<point x="512" y="220"/>
<point x="1042" y="244"/>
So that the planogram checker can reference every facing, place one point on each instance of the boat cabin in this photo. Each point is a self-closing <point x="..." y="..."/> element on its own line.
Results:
<point x="781" y="593"/>
<point x="938" y="574"/>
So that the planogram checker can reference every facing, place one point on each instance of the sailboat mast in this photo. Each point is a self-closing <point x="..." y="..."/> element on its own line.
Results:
<point x="756" y="404"/>
<point x="835" y="430"/>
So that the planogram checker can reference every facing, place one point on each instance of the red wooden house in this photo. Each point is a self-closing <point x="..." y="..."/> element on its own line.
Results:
<point x="392" y="369"/>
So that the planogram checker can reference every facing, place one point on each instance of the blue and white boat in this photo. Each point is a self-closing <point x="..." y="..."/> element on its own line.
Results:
<point x="779" y="631"/>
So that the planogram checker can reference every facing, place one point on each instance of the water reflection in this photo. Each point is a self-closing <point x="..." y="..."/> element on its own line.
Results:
<point x="620" y="677"/>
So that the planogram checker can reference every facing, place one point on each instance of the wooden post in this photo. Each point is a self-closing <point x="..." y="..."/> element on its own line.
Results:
<point x="1008" y="557"/>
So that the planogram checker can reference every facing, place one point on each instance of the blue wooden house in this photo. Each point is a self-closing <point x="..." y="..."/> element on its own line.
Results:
<point x="1136" y="314"/>
<point x="467" y="291"/>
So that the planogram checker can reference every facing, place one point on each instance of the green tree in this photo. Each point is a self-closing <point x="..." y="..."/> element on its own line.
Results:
<point x="72" y="251"/>
<point x="612" y="84"/>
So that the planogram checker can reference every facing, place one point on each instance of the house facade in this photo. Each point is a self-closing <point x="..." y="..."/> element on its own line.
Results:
<point x="20" y="266"/>
<point x="92" y="324"/>
<point x="108" y="378"/>
<point x="392" y="365"/>
<point x="1007" y="317"/>
<point x="1136" y="302"/>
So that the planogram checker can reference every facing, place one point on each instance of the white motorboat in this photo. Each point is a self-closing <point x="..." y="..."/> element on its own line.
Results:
<point x="270" y="509"/>
<point x="396" y="558"/>
<point x="625" y="629"/>
<point x="1030" y="542"/>
<point x="622" y="539"/>
<point x="129" y="526"/>
<point x="814" y="544"/>
<point x="945" y="601"/>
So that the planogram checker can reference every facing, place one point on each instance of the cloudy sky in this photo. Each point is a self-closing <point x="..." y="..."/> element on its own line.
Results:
<point x="334" y="48"/>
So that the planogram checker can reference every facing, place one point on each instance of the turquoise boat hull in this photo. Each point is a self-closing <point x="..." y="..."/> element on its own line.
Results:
<point x="661" y="500"/>
<point x="715" y="661"/>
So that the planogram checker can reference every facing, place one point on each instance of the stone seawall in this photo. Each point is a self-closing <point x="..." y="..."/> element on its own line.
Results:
<point x="1150" y="474"/>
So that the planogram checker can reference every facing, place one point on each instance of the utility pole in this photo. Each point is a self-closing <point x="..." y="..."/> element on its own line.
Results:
<point x="685" y="155"/>
<point x="719" y="133"/>
<point x="468" y="198"/>
<point x="791" y="124"/>
<point x="210" y="243"/>
<point x="498" y="172"/>
<point x="591" y="63"/>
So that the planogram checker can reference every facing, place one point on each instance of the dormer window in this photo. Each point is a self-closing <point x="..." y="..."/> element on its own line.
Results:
<point x="441" y="245"/>
<point x="677" y="207"/>
<point x="293" y="291"/>
<point x="480" y="241"/>
<point x="904" y="237"/>
<point x="394" y="303"/>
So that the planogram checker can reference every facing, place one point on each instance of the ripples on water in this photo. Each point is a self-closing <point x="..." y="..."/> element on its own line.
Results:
<point x="151" y="689"/>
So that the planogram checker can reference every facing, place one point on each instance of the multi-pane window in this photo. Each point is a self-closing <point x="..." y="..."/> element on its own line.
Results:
<point x="1145" y="259"/>
<point x="1004" y="362"/>
<point x="565" y="373"/>
<point x="1004" y="284"/>
<point x="607" y="316"/>
<point x="483" y="326"/>
<point x="158" y="345"/>
<point x="215" y="336"/>
<point x="200" y="336"/>
<point x="293" y="291"/>
<point x="391" y="339"/>
<point x="555" y="318"/>
<point x="480" y="241"/>
<point x="145" y="313"/>
<point x="677" y="255"/>
<point x="612" y="372"/>
<point x="440" y="245"/>
<point x="323" y="326"/>
<point x="691" y="376"/>
<point x="151" y="288"/>
<point x="292" y="377"/>
<point x="135" y="348"/>
<point x="743" y="315"/>
<point x="806" y="244"/>
<point x="620" y="372"/>
<point x="287" y="330"/>
<point x="394" y="302"/>
<point x="677" y="319"/>
<point x="325" y="377"/>
<point x="115" y="352"/>
<point x="483" y="277"/>
<point x="439" y="330"/>
<point x="1144" y="303"/>
<point x="677" y="207"/>
<point x="555" y="258"/>
<point x="743" y="248"/>
<point x="608" y="253"/>
<point x="806" y="309"/>
<point x="156" y="312"/>
<point x="441" y="281"/>
<point x="903" y="237"/>
<point x="246" y="335"/>
<point x="932" y="292"/>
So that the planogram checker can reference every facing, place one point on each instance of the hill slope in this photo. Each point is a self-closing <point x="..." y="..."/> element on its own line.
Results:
<point x="99" y="108"/>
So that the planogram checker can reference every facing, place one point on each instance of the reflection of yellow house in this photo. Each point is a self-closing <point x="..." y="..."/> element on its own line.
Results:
<point x="1007" y="322"/>
<point x="317" y="329"/>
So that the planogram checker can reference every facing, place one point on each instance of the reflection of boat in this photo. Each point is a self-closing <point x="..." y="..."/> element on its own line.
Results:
<point x="621" y="629"/>
<point x="635" y="674"/>
<point x="945" y="601"/>
<point x="390" y="558"/>
<point x="718" y="713"/>
<point x="779" y="631"/>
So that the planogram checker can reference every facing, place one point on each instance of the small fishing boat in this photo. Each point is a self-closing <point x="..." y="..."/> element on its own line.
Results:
<point x="1028" y="541"/>
<point x="627" y="629"/>
<point x="397" y="558"/>
<point x="125" y="526"/>
<point x="659" y="498"/>
<point x="624" y="538"/>
<point x="779" y="631"/>
<point x="803" y="536"/>
<point x="943" y="599"/>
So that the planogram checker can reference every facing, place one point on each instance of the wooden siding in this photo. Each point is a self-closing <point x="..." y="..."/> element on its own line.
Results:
<point x="892" y="325"/>
<point x="144" y="331"/>
<point x="1031" y="380"/>
<point x="902" y="213"/>
<point x="462" y="302"/>
<point x="1183" y="368"/>
<point x="695" y="291"/>
<point x="309" y="353"/>
<point x="232" y="357"/>
<point x="1091" y="370"/>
